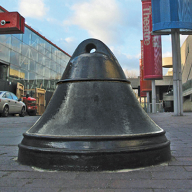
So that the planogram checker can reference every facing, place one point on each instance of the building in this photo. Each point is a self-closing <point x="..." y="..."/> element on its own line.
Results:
<point x="30" y="59"/>
<point x="186" y="72"/>
<point x="186" y="67"/>
<point x="164" y="88"/>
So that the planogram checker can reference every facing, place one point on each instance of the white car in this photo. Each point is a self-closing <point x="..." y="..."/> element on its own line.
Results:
<point x="10" y="104"/>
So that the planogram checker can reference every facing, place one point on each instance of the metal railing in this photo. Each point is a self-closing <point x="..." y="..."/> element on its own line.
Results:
<point x="159" y="108"/>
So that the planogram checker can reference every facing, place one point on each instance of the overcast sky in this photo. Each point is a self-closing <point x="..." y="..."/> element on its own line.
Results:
<point x="118" y="23"/>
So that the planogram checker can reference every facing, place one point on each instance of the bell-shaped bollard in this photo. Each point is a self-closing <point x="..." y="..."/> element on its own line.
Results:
<point x="94" y="121"/>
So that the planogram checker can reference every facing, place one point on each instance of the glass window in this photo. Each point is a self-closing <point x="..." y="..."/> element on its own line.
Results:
<point x="40" y="58"/>
<point x="62" y="57"/>
<point x="14" y="67"/>
<point x="34" y="38"/>
<point x="59" y="54"/>
<point x="34" y="45"/>
<point x="24" y="74"/>
<point x="4" y="95"/>
<point x="25" y="50"/>
<point x="24" y="63"/>
<point x="27" y="36"/>
<point x="48" y="54"/>
<point x="39" y="68"/>
<point x="32" y="76"/>
<point x="47" y="46"/>
<point x="58" y="60"/>
<point x="33" y="54"/>
<point x="32" y="66"/>
<point x="53" y="66"/>
<point x="41" y="49"/>
<point x="52" y="49"/>
<point x="47" y="62"/>
<point x="14" y="72"/>
<point x="15" y="58"/>
<point x="16" y="44"/>
<point x="14" y="96"/>
<point x="53" y="57"/>
<point x="4" y="53"/>
<point x="52" y="74"/>
<point x="47" y="73"/>
<point x="8" y="95"/>
<point x="42" y="42"/>
<point x="5" y="40"/>
<point x="58" y="68"/>
<point x="18" y="36"/>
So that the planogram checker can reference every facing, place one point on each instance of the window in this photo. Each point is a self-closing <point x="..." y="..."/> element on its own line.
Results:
<point x="18" y="36"/>
<point x="8" y="95"/>
<point x="15" y="58"/>
<point x="16" y="44"/>
<point x="25" y="50"/>
<point x="27" y="36"/>
<point x="14" y="97"/>
<point x="4" y="53"/>
<point x="5" y="40"/>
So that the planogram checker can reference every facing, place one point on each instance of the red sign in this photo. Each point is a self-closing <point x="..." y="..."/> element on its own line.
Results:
<point x="151" y="44"/>
<point x="145" y="85"/>
<point x="11" y="23"/>
<point x="142" y="94"/>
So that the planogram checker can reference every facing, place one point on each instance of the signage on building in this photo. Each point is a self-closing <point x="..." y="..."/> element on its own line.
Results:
<point x="11" y="23"/>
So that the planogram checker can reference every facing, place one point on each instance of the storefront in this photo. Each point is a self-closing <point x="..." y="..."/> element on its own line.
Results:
<point x="30" y="59"/>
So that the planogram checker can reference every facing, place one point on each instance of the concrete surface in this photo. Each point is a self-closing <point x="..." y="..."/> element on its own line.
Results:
<point x="174" y="176"/>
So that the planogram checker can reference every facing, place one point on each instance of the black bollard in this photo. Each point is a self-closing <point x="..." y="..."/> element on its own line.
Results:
<point x="94" y="121"/>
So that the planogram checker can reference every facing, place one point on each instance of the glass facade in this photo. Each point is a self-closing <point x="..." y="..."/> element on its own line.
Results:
<point x="32" y="60"/>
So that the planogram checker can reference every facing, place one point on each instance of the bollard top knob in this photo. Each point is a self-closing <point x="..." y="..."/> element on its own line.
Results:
<point x="93" y="60"/>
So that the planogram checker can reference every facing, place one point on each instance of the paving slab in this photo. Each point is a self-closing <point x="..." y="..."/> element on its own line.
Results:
<point x="172" y="176"/>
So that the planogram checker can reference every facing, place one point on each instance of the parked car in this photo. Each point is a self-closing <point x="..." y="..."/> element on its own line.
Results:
<point x="10" y="104"/>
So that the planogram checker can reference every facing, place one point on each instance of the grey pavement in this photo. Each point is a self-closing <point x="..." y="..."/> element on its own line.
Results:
<point x="174" y="176"/>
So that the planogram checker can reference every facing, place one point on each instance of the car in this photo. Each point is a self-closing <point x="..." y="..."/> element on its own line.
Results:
<point x="10" y="104"/>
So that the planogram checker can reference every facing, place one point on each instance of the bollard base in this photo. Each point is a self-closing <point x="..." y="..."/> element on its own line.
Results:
<point x="96" y="155"/>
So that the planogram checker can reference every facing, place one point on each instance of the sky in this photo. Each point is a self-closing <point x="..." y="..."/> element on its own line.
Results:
<point x="66" y="23"/>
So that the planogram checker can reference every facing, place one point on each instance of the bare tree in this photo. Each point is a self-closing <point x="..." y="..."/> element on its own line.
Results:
<point x="130" y="73"/>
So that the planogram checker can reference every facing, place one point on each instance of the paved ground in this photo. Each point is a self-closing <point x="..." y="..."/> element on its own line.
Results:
<point x="174" y="176"/>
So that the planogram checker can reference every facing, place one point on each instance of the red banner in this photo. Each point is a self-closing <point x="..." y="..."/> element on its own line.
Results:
<point x="151" y="44"/>
<point x="145" y="85"/>
<point x="142" y="94"/>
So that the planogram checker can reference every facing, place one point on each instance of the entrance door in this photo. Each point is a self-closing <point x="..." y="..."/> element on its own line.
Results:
<point x="3" y="72"/>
